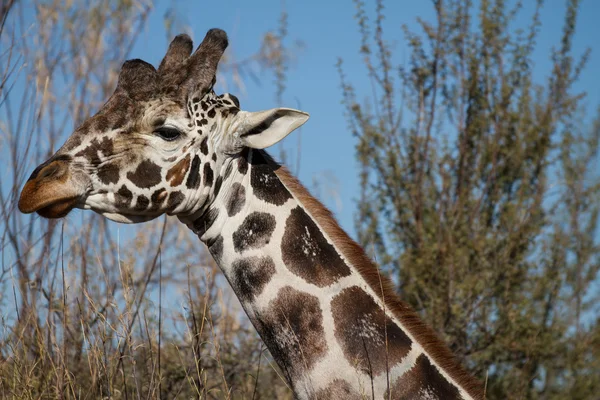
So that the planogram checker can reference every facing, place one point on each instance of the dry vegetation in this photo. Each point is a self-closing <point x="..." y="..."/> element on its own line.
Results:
<point x="90" y="309"/>
<point x="481" y="198"/>
<point x="480" y="187"/>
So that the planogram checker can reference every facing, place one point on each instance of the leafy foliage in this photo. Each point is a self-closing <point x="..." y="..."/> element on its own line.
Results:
<point x="480" y="193"/>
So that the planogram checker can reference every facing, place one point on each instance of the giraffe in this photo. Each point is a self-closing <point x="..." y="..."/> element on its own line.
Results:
<point x="166" y="143"/>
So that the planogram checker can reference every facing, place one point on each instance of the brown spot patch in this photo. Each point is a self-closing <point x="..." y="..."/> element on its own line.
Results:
<point x="123" y="197"/>
<point x="250" y="275"/>
<point x="254" y="232"/>
<point x="72" y="142"/>
<point x="108" y="173"/>
<point x="101" y="123"/>
<point x="202" y="224"/>
<point x="175" y="198"/>
<point x="307" y="253"/>
<point x="243" y="162"/>
<point x="423" y="380"/>
<point x="228" y="170"/>
<point x="292" y="329"/>
<point x="236" y="200"/>
<point x="265" y="184"/>
<point x="218" y="184"/>
<point x="146" y="175"/>
<point x="142" y="203"/>
<point x="204" y="145"/>
<point x="361" y="327"/>
<point x="189" y="145"/>
<point x="380" y="284"/>
<point x="193" y="180"/>
<point x="176" y="174"/>
<point x="216" y="249"/>
<point x="105" y="147"/>
<point x="224" y="112"/>
<point x="208" y="175"/>
<point x="119" y="120"/>
<point x="338" y="389"/>
<point x="157" y="198"/>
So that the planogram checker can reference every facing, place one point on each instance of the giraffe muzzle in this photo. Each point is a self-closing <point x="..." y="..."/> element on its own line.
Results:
<point x="50" y="190"/>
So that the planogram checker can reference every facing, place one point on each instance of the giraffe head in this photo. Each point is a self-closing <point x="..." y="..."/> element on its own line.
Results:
<point x="158" y="144"/>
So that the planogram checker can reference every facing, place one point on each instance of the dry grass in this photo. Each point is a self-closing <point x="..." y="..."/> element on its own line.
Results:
<point x="90" y="309"/>
<point x="116" y="331"/>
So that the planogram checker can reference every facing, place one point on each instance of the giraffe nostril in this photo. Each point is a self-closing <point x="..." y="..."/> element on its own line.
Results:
<point x="55" y="169"/>
<point x="48" y="171"/>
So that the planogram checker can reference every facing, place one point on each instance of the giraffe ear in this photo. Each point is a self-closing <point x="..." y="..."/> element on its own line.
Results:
<point x="262" y="129"/>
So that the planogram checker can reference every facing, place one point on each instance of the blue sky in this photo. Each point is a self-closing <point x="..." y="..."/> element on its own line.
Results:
<point x="328" y="30"/>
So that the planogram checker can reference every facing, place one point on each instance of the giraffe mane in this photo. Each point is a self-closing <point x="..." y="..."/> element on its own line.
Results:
<point x="379" y="283"/>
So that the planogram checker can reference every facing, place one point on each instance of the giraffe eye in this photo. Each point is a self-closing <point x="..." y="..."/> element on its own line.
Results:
<point x="167" y="133"/>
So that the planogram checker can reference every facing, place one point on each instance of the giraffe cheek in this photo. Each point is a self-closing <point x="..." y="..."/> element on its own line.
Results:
<point x="175" y="198"/>
<point x="176" y="174"/>
<point x="146" y="175"/>
<point x="193" y="180"/>
<point x="109" y="173"/>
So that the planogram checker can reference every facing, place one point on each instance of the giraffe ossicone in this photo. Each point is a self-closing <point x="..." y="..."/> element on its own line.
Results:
<point x="164" y="142"/>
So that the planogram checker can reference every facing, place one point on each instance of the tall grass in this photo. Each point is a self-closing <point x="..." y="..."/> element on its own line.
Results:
<point x="90" y="309"/>
<point x="117" y="331"/>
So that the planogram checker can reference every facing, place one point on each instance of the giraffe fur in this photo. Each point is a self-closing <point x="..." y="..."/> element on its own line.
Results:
<point x="166" y="143"/>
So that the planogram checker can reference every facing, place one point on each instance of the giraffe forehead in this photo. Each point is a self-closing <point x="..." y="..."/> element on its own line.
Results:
<point x="157" y="111"/>
<point x="122" y="113"/>
<point x="115" y="127"/>
<point x="121" y="116"/>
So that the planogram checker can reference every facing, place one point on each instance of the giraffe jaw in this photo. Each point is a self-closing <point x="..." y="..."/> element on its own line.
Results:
<point x="58" y="209"/>
<point x="51" y="208"/>
<point x="102" y="203"/>
<point x="127" y="218"/>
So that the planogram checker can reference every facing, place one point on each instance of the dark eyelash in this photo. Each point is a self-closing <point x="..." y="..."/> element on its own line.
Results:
<point x="168" y="133"/>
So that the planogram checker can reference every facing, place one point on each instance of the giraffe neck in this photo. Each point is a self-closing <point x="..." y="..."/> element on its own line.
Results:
<point x="333" y="326"/>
